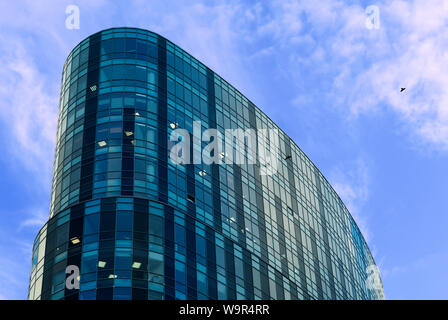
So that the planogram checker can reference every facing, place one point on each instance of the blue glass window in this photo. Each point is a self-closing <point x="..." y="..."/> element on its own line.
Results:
<point x="89" y="261"/>
<point x="124" y="221"/>
<point x="91" y="223"/>
<point x="123" y="258"/>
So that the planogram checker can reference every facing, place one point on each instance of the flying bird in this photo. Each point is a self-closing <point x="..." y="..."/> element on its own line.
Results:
<point x="402" y="89"/>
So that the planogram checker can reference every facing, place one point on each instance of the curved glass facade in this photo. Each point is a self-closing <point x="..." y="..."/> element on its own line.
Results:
<point x="138" y="226"/>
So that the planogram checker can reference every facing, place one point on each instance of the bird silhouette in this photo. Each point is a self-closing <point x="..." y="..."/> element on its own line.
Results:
<point x="402" y="89"/>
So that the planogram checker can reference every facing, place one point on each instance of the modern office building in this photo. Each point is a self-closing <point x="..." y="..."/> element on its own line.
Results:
<point x="139" y="226"/>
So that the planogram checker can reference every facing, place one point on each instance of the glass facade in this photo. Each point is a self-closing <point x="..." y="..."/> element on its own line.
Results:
<point x="141" y="227"/>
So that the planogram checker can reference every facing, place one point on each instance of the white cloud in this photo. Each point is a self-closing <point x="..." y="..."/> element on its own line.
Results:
<point x="417" y="60"/>
<point x="366" y="68"/>
<point x="28" y="112"/>
<point x="216" y="33"/>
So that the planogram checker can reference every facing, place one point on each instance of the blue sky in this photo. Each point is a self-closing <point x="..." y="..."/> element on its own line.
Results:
<point x="331" y="83"/>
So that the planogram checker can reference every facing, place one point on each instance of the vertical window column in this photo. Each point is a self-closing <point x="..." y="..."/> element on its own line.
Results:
<point x="169" y="253"/>
<point x="326" y="247"/>
<point x="211" y="264"/>
<point x="316" y="265"/>
<point x="162" y="108"/>
<point x="127" y="162"/>
<point x="75" y="244"/>
<point x="106" y="250"/>
<point x="297" y="231"/>
<point x="139" y="248"/>
<point x="216" y="193"/>
<point x="88" y="143"/>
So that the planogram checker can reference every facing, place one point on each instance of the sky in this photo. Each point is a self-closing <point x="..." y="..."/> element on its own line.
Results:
<point x="330" y="82"/>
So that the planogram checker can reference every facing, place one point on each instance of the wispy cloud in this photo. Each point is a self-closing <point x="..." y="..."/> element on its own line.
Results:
<point x="416" y="59"/>
<point x="365" y="69"/>
<point x="418" y="277"/>
<point x="34" y="218"/>
<point x="352" y="186"/>
<point x="28" y="113"/>
<point x="215" y="32"/>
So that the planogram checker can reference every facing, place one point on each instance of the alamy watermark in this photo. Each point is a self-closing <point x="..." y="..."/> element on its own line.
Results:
<point x="235" y="146"/>
<point x="373" y="281"/>
<point x="373" y="17"/>
<point x="73" y="19"/>
<point x="72" y="281"/>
